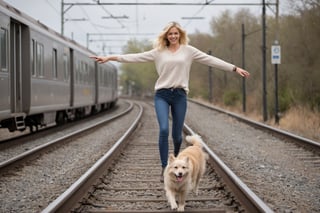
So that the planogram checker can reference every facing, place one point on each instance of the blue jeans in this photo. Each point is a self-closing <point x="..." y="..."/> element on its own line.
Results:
<point x="164" y="99"/>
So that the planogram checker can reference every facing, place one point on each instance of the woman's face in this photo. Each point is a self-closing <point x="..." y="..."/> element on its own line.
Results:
<point x="173" y="36"/>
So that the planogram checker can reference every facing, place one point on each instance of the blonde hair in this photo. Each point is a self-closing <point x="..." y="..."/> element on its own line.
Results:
<point x="162" y="41"/>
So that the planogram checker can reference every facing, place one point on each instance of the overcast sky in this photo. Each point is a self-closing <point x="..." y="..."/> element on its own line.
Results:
<point x="143" y="22"/>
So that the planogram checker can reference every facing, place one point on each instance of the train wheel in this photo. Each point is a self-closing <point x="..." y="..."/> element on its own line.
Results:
<point x="60" y="118"/>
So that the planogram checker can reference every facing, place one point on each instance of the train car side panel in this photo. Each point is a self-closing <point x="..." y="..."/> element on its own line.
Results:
<point x="84" y="82"/>
<point x="5" y="111"/>
<point x="102" y="85"/>
<point x="114" y="84"/>
<point x="50" y="82"/>
<point x="107" y="84"/>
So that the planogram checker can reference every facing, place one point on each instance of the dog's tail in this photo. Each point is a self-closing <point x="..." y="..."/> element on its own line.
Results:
<point x="195" y="140"/>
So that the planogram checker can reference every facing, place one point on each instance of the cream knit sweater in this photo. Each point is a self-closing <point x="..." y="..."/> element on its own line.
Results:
<point x="174" y="68"/>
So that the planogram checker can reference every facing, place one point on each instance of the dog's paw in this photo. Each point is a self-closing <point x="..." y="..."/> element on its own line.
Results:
<point x="174" y="206"/>
<point x="181" y="209"/>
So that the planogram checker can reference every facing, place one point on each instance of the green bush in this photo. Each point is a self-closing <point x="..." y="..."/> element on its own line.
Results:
<point x="230" y="98"/>
<point x="285" y="100"/>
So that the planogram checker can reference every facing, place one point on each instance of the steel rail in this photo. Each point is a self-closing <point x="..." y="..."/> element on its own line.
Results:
<point x="250" y="201"/>
<point x="18" y="158"/>
<point x="297" y="139"/>
<point x="65" y="201"/>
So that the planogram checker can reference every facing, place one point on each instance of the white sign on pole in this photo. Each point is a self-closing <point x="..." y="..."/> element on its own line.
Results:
<point x="275" y="54"/>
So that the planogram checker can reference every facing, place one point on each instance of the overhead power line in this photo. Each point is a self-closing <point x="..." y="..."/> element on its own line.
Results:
<point x="166" y="3"/>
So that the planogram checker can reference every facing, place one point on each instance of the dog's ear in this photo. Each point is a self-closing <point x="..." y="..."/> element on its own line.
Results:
<point x="186" y="159"/>
<point x="171" y="158"/>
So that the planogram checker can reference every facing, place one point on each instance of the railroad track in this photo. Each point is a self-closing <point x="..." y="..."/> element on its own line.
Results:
<point x="145" y="138"/>
<point x="29" y="152"/>
<point x="280" y="167"/>
<point x="126" y="179"/>
<point x="303" y="149"/>
<point x="301" y="141"/>
<point x="31" y="185"/>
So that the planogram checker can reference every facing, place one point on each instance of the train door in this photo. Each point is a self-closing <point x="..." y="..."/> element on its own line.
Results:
<point x="19" y="71"/>
<point x="16" y="66"/>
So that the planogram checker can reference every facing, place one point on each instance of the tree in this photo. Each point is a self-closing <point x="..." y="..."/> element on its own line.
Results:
<point x="300" y="33"/>
<point x="141" y="76"/>
<point x="299" y="75"/>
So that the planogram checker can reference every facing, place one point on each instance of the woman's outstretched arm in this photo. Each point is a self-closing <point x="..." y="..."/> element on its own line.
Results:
<point x="104" y="59"/>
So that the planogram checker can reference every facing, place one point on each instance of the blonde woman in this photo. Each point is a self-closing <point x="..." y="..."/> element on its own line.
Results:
<point x="173" y="58"/>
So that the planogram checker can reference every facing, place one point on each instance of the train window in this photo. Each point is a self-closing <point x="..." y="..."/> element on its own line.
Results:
<point x="101" y="76"/>
<point x="80" y="72"/>
<point x="4" y="49"/>
<point x="105" y="79"/>
<point x="54" y="63"/>
<point x="66" y="67"/>
<point x="33" y="56"/>
<point x="108" y="80"/>
<point x="82" y="77"/>
<point x="86" y="73"/>
<point x="77" y="72"/>
<point x="40" y="59"/>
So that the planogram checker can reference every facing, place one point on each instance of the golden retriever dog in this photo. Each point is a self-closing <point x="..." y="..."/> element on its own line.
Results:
<point x="183" y="172"/>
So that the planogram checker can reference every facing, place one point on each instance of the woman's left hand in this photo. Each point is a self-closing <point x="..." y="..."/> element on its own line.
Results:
<point x="242" y="72"/>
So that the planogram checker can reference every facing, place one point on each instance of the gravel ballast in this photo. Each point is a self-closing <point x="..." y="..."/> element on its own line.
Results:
<point x="33" y="185"/>
<point x="276" y="170"/>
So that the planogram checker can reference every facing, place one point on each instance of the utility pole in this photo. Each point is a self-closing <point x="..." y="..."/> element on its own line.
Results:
<point x="276" y="42"/>
<point x="210" y="81"/>
<point x="62" y="17"/>
<point x="243" y="37"/>
<point x="264" y="76"/>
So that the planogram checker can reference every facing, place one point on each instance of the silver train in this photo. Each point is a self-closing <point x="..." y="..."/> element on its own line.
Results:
<point x="46" y="78"/>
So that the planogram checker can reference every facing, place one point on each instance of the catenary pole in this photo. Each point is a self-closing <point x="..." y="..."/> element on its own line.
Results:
<point x="264" y="86"/>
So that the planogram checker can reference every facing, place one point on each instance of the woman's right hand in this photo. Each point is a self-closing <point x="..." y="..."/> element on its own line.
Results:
<point x="100" y="59"/>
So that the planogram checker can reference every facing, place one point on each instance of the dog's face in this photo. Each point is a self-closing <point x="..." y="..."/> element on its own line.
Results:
<point x="178" y="168"/>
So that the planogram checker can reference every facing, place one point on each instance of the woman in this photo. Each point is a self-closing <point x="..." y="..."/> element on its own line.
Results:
<point x="173" y="58"/>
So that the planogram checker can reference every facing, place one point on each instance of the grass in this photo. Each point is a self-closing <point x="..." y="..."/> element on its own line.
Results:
<point x="302" y="121"/>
